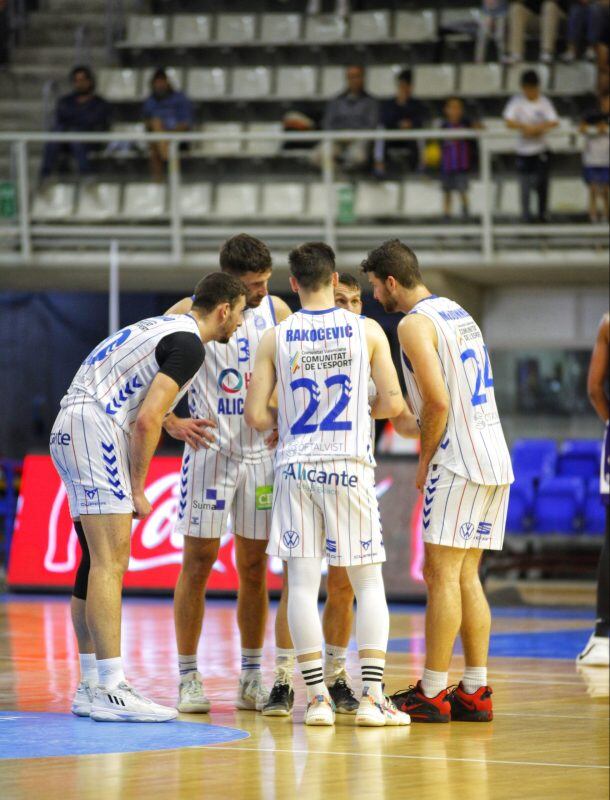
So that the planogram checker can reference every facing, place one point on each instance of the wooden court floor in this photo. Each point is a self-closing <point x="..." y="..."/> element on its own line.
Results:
<point x="549" y="738"/>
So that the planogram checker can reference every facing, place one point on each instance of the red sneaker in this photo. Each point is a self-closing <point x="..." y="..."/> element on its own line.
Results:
<point x="420" y="708"/>
<point x="475" y="707"/>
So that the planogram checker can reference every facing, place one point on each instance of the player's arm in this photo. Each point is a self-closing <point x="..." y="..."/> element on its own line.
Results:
<point x="280" y="308"/>
<point x="181" y="307"/>
<point x="405" y="424"/>
<point x="389" y="401"/>
<point x="258" y="412"/>
<point x="417" y="336"/>
<point x="598" y="370"/>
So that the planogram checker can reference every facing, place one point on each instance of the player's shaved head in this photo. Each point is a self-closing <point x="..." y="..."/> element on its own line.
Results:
<point x="394" y="259"/>
<point x="244" y="253"/>
<point x="312" y="265"/>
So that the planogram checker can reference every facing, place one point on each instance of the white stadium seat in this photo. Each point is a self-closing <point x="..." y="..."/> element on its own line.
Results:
<point x="562" y="139"/>
<point x="377" y="199"/>
<point x="145" y="201"/>
<point x="248" y="83"/>
<point x="481" y="80"/>
<point x="191" y="29"/>
<point x="99" y="202"/>
<point x="415" y="26"/>
<point x="510" y="198"/>
<point x="381" y="81"/>
<point x="146" y="30"/>
<point x="478" y="199"/>
<point x="577" y="78"/>
<point x="333" y="81"/>
<point x="422" y="198"/>
<point x="119" y="85"/>
<point x="264" y="147"/>
<point x="175" y="75"/>
<point x="235" y="28"/>
<point x="317" y="200"/>
<point x="237" y="200"/>
<point x="325" y="28"/>
<point x="220" y="146"/>
<point x="505" y="143"/>
<point x="283" y="200"/>
<point x="514" y="73"/>
<point x="369" y="26"/>
<point x="460" y="18"/>
<point x="434" y="80"/>
<point x="280" y="28"/>
<point x="56" y="202"/>
<point x="296" y="82"/>
<point x="568" y="196"/>
<point x="195" y="200"/>
<point x="206" y="83"/>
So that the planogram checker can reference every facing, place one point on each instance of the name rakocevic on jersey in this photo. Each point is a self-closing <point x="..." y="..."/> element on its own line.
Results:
<point x="219" y="389"/>
<point x="473" y="444"/>
<point x="323" y="373"/>
<point x="118" y="372"/>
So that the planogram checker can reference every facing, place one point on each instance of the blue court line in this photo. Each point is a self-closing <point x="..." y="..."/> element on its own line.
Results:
<point x="44" y="735"/>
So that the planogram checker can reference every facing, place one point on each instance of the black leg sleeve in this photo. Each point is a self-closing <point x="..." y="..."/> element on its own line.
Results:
<point x="603" y="584"/>
<point x="82" y="573"/>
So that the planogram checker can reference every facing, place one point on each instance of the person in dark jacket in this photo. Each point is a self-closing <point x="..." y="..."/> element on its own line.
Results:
<point x="402" y="112"/>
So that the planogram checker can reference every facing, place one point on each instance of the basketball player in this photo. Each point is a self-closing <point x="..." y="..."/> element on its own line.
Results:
<point x="464" y="472"/>
<point x="320" y="359"/>
<point x="102" y="443"/>
<point x="597" y="650"/>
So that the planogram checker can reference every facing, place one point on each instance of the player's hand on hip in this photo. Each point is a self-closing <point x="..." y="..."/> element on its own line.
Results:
<point x="141" y="505"/>
<point x="195" y="432"/>
<point x="272" y="440"/>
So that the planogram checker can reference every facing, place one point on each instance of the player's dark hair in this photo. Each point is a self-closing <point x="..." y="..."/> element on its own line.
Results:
<point x="530" y="78"/>
<point x="312" y="264"/>
<point x="348" y="280"/>
<point x="405" y="76"/>
<point x="244" y="253"/>
<point x="393" y="258"/>
<point x="86" y="71"/>
<point x="216" y="288"/>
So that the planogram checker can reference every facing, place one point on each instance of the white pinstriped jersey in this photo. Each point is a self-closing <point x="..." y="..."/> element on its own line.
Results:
<point x="473" y="444"/>
<point x="323" y="372"/>
<point x="118" y="373"/>
<point x="219" y="389"/>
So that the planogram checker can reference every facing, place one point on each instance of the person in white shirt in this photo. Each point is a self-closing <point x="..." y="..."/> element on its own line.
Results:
<point x="533" y="115"/>
<point x="596" y="157"/>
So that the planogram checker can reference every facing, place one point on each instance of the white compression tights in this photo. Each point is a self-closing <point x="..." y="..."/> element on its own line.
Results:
<point x="372" y="621"/>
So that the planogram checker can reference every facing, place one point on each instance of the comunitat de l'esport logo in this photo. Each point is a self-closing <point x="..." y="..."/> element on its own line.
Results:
<point x="231" y="382"/>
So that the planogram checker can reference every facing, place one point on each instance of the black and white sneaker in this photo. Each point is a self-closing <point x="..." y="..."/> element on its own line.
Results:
<point x="342" y="695"/>
<point x="281" y="699"/>
<point x="124" y="704"/>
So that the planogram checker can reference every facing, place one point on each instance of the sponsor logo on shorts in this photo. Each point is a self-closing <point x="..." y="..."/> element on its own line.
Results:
<point x="264" y="497"/>
<point x="62" y="439"/>
<point x="331" y="546"/>
<point x="290" y="539"/>
<point x="194" y="520"/>
<point x="467" y="529"/>
<point x="211" y="501"/>
<point x="91" y="494"/>
<point x="484" y="529"/>
<point x="302" y="472"/>
<point x="365" y="545"/>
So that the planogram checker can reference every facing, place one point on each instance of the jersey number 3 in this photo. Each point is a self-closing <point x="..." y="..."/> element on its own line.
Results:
<point x="329" y="423"/>
<point x="479" y="397"/>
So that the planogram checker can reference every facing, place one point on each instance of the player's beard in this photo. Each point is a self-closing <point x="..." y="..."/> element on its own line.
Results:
<point x="389" y="303"/>
<point x="255" y="301"/>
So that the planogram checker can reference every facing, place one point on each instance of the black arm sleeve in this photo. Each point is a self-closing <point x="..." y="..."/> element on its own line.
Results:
<point x="179" y="356"/>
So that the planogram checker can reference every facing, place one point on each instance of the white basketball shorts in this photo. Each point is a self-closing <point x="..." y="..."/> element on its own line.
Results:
<point x="212" y="486"/>
<point x="326" y="508"/>
<point x="91" y="454"/>
<point x="459" y="513"/>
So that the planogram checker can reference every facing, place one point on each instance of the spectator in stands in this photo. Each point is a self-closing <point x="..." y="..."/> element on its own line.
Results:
<point x="402" y="112"/>
<point x="533" y="115"/>
<point x="82" y="110"/>
<point x="492" y="23"/>
<point x="523" y="17"/>
<point x="596" y="157"/>
<point x="353" y="109"/>
<point x="583" y="25"/>
<point x="456" y="160"/>
<point x="165" y="110"/>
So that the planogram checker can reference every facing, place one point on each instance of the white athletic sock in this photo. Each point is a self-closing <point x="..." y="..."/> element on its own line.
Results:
<point x="372" y="677"/>
<point x="474" y="678"/>
<point x="250" y="663"/>
<point x="88" y="668"/>
<point x="334" y="662"/>
<point x="110" y="671"/>
<point x="433" y="682"/>
<point x="314" y="678"/>
<point x="284" y="660"/>
<point x="187" y="664"/>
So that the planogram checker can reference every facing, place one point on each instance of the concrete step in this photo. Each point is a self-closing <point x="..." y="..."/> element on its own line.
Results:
<point x="57" y="56"/>
<point x="74" y="6"/>
<point x="26" y="83"/>
<point x="60" y="29"/>
<point x="21" y="115"/>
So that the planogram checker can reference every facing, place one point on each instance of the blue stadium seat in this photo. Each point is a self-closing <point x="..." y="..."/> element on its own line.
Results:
<point x="534" y="458"/>
<point x="594" y="512"/>
<point x="559" y="505"/>
<point x="580" y="458"/>
<point x="520" y="506"/>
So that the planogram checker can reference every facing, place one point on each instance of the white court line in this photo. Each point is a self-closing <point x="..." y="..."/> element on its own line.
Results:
<point x="549" y="716"/>
<point x="412" y="758"/>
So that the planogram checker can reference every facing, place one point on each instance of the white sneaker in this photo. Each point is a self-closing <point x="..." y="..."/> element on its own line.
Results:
<point x="124" y="704"/>
<point x="320" y="711"/>
<point x="596" y="652"/>
<point x="251" y="694"/>
<point x="392" y="715"/>
<point x="192" y="699"/>
<point x="83" y="697"/>
<point x="372" y="714"/>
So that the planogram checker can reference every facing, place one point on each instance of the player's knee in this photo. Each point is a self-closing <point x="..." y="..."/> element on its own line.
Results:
<point x="252" y="567"/>
<point x="197" y="565"/>
<point x="339" y="588"/>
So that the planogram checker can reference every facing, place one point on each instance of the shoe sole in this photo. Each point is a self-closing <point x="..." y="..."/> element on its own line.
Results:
<point x="475" y="716"/>
<point x="191" y="708"/>
<point x="111" y="716"/>
<point x="81" y="711"/>
<point x="276" y="712"/>
<point x="434" y="720"/>
<point x="369" y="722"/>
<point x="242" y="705"/>
<point x="319" y="722"/>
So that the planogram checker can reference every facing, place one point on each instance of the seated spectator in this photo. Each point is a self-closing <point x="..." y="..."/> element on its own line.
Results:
<point x="583" y="26"/>
<point x="165" y="110"/>
<point x="492" y="23"/>
<point x="596" y="157"/>
<point x="456" y="159"/>
<point x="353" y="109"/>
<point x="523" y="17"/>
<point x="532" y="115"/>
<point x="402" y="112"/>
<point x="82" y="110"/>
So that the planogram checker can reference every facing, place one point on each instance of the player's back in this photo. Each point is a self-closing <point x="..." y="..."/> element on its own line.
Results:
<point x="323" y="371"/>
<point x="473" y="444"/>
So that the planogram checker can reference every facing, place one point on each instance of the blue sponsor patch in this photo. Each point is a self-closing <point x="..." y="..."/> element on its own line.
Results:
<point x="484" y="529"/>
<point x="331" y="546"/>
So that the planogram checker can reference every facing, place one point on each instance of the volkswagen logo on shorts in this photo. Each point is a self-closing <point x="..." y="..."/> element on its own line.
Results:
<point x="467" y="529"/>
<point x="290" y="539"/>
